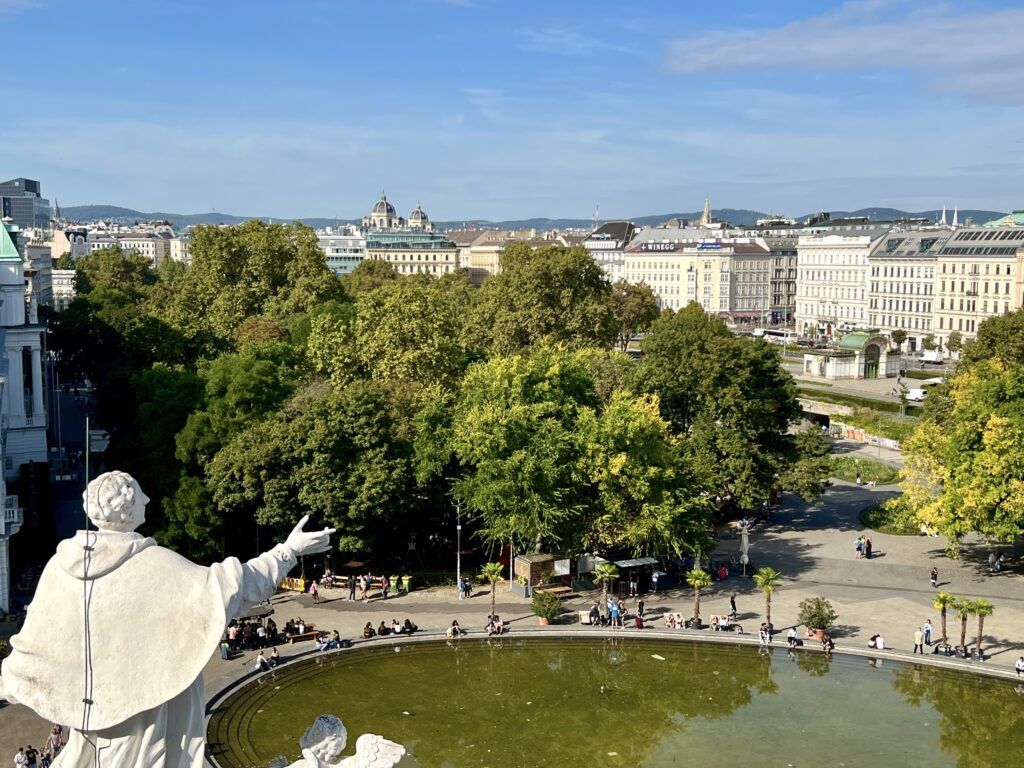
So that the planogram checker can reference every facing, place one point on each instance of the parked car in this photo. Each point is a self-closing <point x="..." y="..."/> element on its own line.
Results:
<point x="917" y="395"/>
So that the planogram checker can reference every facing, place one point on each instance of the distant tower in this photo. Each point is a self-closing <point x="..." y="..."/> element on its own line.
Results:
<point x="942" y="221"/>
<point x="597" y="217"/>
<point x="705" y="218"/>
<point x="956" y="216"/>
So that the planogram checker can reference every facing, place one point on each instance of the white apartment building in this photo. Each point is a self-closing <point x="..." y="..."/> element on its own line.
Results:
<point x="607" y="246"/>
<point x="978" y="274"/>
<point x="63" y="288"/>
<point x="154" y="246"/>
<point x="344" y="248"/>
<point x="902" y="282"/>
<point x="832" y="280"/>
<point x="728" y="277"/>
<point x="178" y="249"/>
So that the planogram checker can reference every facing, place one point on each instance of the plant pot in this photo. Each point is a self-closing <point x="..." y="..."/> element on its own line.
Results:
<point x="543" y="620"/>
<point x="521" y="590"/>
<point x="818" y="634"/>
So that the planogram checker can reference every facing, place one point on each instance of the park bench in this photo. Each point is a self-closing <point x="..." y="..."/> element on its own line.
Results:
<point x="310" y="634"/>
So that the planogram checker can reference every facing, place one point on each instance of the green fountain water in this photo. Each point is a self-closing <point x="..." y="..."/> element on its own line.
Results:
<point x="628" y="702"/>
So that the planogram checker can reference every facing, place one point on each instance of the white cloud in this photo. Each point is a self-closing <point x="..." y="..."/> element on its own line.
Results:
<point x="975" y="53"/>
<point x="566" y="41"/>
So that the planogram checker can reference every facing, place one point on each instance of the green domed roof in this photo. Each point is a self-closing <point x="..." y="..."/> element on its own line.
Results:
<point x="855" y="340"/>
<point x="8" y="251"/>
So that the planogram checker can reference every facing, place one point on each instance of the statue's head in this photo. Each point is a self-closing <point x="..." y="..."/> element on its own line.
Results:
<point x="115" y="502"/>
<point x="326" y="738"/>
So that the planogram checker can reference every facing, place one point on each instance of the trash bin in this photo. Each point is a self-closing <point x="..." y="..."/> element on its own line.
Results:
<point x="406" y="581"/>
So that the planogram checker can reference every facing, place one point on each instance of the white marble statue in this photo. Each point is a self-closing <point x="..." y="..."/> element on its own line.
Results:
<point x="325" y="740"/>
<point x="120" y="629"/>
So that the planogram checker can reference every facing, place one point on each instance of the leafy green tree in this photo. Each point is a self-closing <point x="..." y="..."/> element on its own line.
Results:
<point x="811" y="466"/>
<point x="65" y="261"/>
<point x="369" y="275"/>
<point x="247" y="270"/>
<point x="898" y="336"/>
<point x="964" y="608"/>
<point x="553" y="294"/>
<point x="928" y="342"/>
<point x="955" y="342"/>
<point x="112" y="268"/>
<point x="635" y="309"/>
<point x="492" y="574"/>
<point x="330" y="453"/>
<point x="605" y="574"/>
<point x="999" y="338"/>
<point x="767" y="580"/>
<point x="965" y="460"/>
<point x="943" y="602"/>
<point x="729" y="395"/>
<point x="698" y="580"/>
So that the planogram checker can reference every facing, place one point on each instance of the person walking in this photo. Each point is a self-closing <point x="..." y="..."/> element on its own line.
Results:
<point x="867" y="547"/>
<point x="385" y="586"/>
<point x="732" y="607"/>
<point x="1019" y="666"/>
<point x="351" y="589"/>
<point x="935" y="576"/>
<point x="640" y="608"/>
<point x="654" y="582"/>
<point x="314" y="590"/>
<point x="919" y="641"/>
<point x="791" y="637"/>
<point x="632" y="584"/>
<point x="858" y="548"/>
<point x="927" y="630"/>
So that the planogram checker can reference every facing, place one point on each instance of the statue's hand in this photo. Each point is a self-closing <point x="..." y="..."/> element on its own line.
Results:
<point x="308" y="543"/>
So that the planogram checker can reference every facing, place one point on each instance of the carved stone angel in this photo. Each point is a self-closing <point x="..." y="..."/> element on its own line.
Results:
<point x="325" y="740"/>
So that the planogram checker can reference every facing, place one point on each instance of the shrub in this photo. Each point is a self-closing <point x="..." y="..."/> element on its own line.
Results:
<point x="876" y="423"/>
<point x="817" y="613"/>
<point x="891" y="517"/>
<point x="546" y="604"/>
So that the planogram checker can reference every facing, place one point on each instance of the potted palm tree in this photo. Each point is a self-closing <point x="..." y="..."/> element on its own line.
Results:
<point x="699" y="580"/>
<point x="942" y="602"/>
<point x="817" y="614"/>
<point x="982" y="608"/>
<point x="605" y="574"/>
<point x="492" y="573"/>
<point x="767" y="580"/>
<point x="547" y="605"/>
<point x="964" y="608"/>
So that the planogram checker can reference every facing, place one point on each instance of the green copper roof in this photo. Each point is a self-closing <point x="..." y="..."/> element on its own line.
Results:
<point x="1015" y="219"/>
<point x="7" y="249"/>
<point x="855" y="340"/>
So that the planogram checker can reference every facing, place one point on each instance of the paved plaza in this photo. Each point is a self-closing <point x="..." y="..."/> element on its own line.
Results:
<point x="810" y="544"/>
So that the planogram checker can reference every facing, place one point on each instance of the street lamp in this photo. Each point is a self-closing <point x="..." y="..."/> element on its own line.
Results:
<point x="458" y="547"/>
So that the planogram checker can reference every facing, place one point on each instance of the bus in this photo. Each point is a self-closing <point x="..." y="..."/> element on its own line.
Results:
<point x="776" y="335"/>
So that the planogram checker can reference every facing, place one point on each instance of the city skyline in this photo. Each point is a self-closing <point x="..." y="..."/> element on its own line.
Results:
<point x="485" y="111"/>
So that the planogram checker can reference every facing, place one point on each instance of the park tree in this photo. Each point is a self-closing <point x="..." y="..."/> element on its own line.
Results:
<point x="982" y="608"/>
<point x="767" y="580"/>
<point x="729" y="395"/>
<point x="955" y="342"/>
<point x="964" y="468"/>
<point x="928" y="342"/>
<point x="698" y="580"/>
<point x="605" y="574"/>
<point x="369" y="275"/>
<point x="492" y="574"/>
<point x="635" y="309"/>
<point x="553" y="293"/>
<point x="898" y="336"/>
<point x="246" y="270"/>
<point x="943" y="602"/>
<point x="328" y="452"/>
<point x="112" y="268"/>
<point x="809" y="466"/>
<point x="999" y="338"/>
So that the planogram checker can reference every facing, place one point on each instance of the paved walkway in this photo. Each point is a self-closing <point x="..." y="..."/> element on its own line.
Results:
<point x="811" y="544"/>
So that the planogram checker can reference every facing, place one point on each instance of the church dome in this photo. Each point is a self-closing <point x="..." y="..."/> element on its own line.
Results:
<point x="383" y="206"/>
<point x="418" y="215"/>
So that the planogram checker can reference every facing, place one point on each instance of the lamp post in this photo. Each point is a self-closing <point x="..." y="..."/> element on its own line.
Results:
<point x="458" y="547"/>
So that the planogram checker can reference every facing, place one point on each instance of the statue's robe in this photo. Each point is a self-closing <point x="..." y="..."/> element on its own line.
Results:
<point x="115" y="643"/>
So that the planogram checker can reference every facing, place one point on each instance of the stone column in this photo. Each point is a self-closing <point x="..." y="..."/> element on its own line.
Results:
<point x="37" y="389"/>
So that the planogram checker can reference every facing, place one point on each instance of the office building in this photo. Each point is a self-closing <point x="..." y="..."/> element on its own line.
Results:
<point x="607" y="246"/>
<point x="344" y="248"/>
<point x="22" y="201"/>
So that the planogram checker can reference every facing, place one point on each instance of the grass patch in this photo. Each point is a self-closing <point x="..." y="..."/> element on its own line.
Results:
<point x="925" y="374"/>
<point x="889" y="519"/>
<point x="871" y="421"/>
<point x="837" y="398"/>
<point x="847" y="467"/>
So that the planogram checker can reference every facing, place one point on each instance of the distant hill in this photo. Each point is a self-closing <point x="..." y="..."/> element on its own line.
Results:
<point x="739" y="217"/>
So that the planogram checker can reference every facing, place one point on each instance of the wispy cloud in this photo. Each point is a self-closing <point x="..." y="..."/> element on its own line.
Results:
<point x="567" y="41"/>
<point x="973" y="53"/>
<point x="16" y="6"/>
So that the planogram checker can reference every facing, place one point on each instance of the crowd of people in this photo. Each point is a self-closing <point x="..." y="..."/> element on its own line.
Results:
<point x="383" y="630"/>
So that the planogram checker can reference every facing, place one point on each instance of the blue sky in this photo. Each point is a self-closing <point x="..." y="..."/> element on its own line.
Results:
<point x="501" y="109"/>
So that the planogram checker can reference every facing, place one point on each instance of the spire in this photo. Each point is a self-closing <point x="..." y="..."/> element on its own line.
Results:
<point x="956" y="216"/>
<point x="705" y="218"/>
<point x="942" y="221"/>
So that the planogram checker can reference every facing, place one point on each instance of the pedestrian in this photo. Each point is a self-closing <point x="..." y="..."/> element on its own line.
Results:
<point x="351" y="589"/>
<point x="935" y="576"/>
<point x="314" y="590"/>
<point x="1019" y="666"/>
<point x="791" y="637"/>
<point x="732" y="607"/>
<point x="992" y="562"/>
<point x="362" y="587"/>
<point x="654" y="582"/>
<point x="765" y="635"/>
<point x="999" y="562"/>
<point x="867" y="547"/>
<point x="640" y="608"/>
<point x="858" y="477"/>
<point x="927" y="629"/>
<point x="858" y="547"/>
<point x="632" y="584"/>
<point x="31" y="757"/>
<point x="613" y="614"/>
<point x="919" y="641"/>
<point x="385" y="586"/>
<point x="19" y="758"/>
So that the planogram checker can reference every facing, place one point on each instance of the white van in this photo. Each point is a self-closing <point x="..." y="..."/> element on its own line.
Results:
<point x="917" y="395"/>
